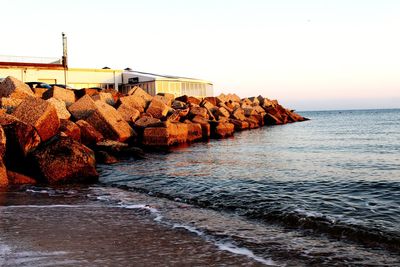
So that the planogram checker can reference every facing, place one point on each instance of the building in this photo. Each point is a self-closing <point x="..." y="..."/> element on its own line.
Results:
<point x="155" y="83"/>
<point x="52" y="71"/>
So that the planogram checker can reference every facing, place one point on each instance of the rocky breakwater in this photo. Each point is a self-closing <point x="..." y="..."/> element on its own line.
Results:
<point x="56" y="135"/>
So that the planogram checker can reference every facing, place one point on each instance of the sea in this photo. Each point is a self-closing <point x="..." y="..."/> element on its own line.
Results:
<point x="324" y="192"/>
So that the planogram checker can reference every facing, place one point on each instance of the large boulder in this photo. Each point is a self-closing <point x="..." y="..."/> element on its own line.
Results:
<point x="198" y="111"/>
<point x="85" y="91"/>
<point x="239" y="114"/>
<point x="195" y="131"/>
<point x="146" y="122"/>
<point x="134" y="101"/>
<point x="222" y="129"/>
<point x="16" y="178"/>
<point x="82" y="108"/>
<point x="118" y="149"/>
<point x="173" y="133"/>
<point x="3" y="175"/>
<point x="14" y="88"/>
<point x="110" y="123"/>
<point x="239" y="124"/>
<point x="70" y="129"/>
<point x="64" y="160"/>
<point x="61" y="108"/>
<point x="40" y="114"/>
<point x="66" y="95"/>
<point x="139" y="92"/>
<point x="205" y="126"/>
<point x="105" y="97"/>
<point x="89" y="135"/>
<point x="10" y="104"/>
<point x="168" y="98"/>
<point x="21" y="137"/>
<point x="128" y="113"/>
<point x="157" y="109"/>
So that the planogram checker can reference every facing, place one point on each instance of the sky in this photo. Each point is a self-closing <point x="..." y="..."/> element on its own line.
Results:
<point x="310" y="55"/>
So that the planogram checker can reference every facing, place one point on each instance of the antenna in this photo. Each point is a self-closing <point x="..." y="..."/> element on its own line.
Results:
<point x="65" y="51"/>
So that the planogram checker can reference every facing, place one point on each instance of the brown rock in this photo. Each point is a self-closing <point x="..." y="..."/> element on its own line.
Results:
<point x="10" y="104"/>
<point x="249" y="111"/>
<point x="146" y="122"/>
<point x="70" y="129"/>
<point x="198" y="111"/>
<point x="3" y="175"/>
<point x="82" y="108"/>
<point x="238" y="114"/>
<point x="232" y="98"/>
<point x="103" y="157"/>
<point x="205" y="126"/>
<point x="85" y="91"/>
<point x="105" y="97"/>
<point x="61" y="108"/>
<point x="207" y="104"/>
<point x="137" y="91"/>
<point x="179" y="105"/>
<point x="89" y="135"/>
<point x="175" y="116"/>
<point x="64" y="160"/>
<point x="174" y="133"/>
<point x="213" y="100"/>
<point x="110" y="123"/>
<point x="165" y="98"/>
<point x="223" y="112"/>
<point x="16" y="178"/>
<point x="157" y="109"/>
<point x="39" y="91"/>
<point x="21" y="138"/>
<point x="134" y="101"/>
<point x="66" y="95"/>
<point x="222" y="129"/>
<point x="41" y="115"/>
<point x="240" y="125"/>
<point x="14" y="88"/>
<point x="195" y="131"/>
<point x="128" y="113"/>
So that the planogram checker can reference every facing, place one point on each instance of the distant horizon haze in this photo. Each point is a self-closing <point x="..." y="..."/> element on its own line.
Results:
<point x="309" y="55"/>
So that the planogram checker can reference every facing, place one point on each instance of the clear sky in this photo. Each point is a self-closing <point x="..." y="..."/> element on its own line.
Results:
<point x="321" y="54"/>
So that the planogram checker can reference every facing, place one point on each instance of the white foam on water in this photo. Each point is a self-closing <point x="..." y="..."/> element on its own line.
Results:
<point x="154" y="211"/>
<point x="226" y="246"/>
<point x="44" y="206"/>
<point x="4" y="251"/>
<point x="188" y="228"/>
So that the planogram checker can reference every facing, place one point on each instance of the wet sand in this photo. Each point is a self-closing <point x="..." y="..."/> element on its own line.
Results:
<point x="68" y="230"/>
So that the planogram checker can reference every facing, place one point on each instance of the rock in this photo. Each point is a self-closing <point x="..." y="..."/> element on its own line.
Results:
<point x="198" y="111"/>
<point x="134" y="101"/>
<point x="66" y="95"/>
<point x="21" y="138"/>
<point x="10" y="104"/>
<point x="167" y="100"/>
<point x="238" y="114"/>
<point x="105" y="97"/>
<point x="205" y="126"/>
<point x="189" y="99"/>
<point x="239" y="124"/>
<point x="85" y="91"/>
<point x="232" y="98"/>
<point x="139" y="92"/>
<point x="223" y="112"/>
<point x="249" y="112"/>
<point x="175" y="133"/>
<point x="3" y="143"/>
<point x="41" y="115"/>
<point x="119" y="149"/>
<point x="16" y="178"/>
<point x="146" y="122"/>
<point x="3" y="175"/>
<point x="103" y="157"/>
<point x="128" y="113"/>
<point x="70" y="129"/>
<point x="253" y="123"/>
<point x="212" y="99"/>
<point x="39" y="91"/>
<point x="14" y="88"/>
<point x="157" y="109"/>
<point x="179" y="105"/>
<point x="64" y="160"/>
<point x="222" y="129"/>
<point x="175" y="116"/>
<point x="110" y="123"/>
<point x="61" y="108"/>
<point x="254" y="100"/>
<point x="89" y="135"/>
<point x="195" y="131"/>
<point x="206" y="104"/>
<point x="170" y="97"/>
<point x="82" y="108"/>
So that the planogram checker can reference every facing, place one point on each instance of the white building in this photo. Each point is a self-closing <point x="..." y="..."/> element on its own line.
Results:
<point x="51" y="71"/>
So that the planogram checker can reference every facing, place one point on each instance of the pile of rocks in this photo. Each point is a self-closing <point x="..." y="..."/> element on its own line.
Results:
<point x="56" y="135"/>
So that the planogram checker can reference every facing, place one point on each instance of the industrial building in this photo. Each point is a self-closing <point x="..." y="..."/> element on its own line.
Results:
<point x="53" y="71"/>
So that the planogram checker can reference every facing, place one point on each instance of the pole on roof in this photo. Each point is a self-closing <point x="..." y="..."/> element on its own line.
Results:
<point x="65" y="57"/>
